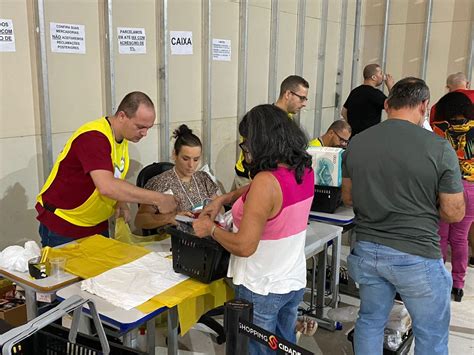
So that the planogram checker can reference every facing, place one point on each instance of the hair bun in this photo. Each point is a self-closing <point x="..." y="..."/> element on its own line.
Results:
<point x="181" y="131"/>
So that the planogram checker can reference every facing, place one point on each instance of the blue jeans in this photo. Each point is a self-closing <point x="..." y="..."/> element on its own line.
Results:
<point x="51" y="239"/>
<point x="275" y="313"/>
<point x="424" y="285"/>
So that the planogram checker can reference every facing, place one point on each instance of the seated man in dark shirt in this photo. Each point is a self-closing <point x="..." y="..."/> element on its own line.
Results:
<point x="363" y="108"/>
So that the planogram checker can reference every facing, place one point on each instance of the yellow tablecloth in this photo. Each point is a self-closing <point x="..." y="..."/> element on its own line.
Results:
<point x="94" y="255"/>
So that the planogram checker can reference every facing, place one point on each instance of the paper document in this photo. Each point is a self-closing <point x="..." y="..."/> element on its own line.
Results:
<point x="184" y="219"/>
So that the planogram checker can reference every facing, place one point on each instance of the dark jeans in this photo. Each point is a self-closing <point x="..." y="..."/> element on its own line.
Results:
<point x="51" y="239"/>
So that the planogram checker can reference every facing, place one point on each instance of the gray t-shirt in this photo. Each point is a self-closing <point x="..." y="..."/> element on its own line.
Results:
<point x="397" y="170"/>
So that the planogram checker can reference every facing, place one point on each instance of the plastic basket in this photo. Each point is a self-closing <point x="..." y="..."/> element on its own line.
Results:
<point x="326" y="199"/>
<point x="202" y="259"/>
<point x="53" y="339"/>
<point x="403" y="349"/>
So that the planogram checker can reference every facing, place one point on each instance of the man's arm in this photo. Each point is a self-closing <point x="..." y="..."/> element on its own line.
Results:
<point x="344" y="113"/>
<point x="451" y="207"/>
<point x="389" y="82"/>
<point x="347" y="191"/>
<point x="148" y="218"/>
<point x="121" y="190"/>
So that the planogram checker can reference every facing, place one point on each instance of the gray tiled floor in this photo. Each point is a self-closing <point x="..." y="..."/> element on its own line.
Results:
<point x="461" y="340"/>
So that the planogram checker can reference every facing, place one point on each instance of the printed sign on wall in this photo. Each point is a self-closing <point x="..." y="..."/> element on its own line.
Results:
<point x="131" y="40"/>
<point x="221" y="49"/>
<point x="181" y="42"/>
<point x="67" y="38"/>
<point x="7" y="36"/>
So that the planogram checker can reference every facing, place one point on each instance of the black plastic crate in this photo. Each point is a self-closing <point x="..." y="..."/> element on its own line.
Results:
<point x="53" y="339"/>
<point x="326" y="199"/>
<point x="202" y="259"/>
<point x="403" y="349"/>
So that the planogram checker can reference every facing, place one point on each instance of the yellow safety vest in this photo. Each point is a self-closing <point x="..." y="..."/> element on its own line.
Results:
<point x="316" y="143"/>
<point x="97" y="208"/>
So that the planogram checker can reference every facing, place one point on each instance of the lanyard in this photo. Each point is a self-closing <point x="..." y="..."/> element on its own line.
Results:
<point x="182" y="187"/>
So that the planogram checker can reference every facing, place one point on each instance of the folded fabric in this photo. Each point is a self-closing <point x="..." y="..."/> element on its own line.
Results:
<point x="132" y="284"/>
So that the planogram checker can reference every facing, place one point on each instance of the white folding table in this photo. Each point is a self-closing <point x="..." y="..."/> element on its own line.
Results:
<point x="318" y="237"/>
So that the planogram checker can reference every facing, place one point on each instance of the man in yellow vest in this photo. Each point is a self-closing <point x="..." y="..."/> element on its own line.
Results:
<point x="293" y="97"/>
<point x="86" y="185"/>
<point x="337" y="135"/>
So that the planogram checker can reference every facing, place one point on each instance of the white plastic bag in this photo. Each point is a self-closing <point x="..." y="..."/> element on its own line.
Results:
<point x="344" y="314"/>
<point x="16" y="258"/>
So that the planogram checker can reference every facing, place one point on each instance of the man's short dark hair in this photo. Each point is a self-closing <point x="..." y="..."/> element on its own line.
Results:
<point x="369" y="70"/>
<point x="339" y="126"/>
<point x="132" y="101"/>
<point x="291" y="83"/>
<point x="408" y="92"/>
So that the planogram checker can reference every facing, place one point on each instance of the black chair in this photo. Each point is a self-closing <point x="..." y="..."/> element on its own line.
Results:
<point x="152" y="170"/>
<point x="146" y="174"/>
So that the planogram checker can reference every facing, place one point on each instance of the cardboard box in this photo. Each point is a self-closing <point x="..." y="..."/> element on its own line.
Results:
<point x="327" y="165"/>
<point x="15" y="315"/>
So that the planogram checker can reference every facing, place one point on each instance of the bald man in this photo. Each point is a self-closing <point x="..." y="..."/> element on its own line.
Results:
<point x="455" y="82"/>
<point x="363" y="108"/>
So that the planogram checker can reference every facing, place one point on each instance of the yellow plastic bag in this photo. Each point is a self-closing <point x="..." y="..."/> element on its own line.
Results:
<point x="89" y="257"/>
<point x="123" y="234"/>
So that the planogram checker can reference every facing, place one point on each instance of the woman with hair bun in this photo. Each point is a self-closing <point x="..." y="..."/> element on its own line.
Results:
<point x="191" y="187"/>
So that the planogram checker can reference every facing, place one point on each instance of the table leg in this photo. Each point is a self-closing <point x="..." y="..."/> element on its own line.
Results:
<point x="313" y="283"/>
<point x="335" y="266"/>
<point x="127" y="339"/>
<point x="321" y="282"/>
<point x="30" y="300"/>
<point x="173" y="331"/>
<point x="150" y="336"/>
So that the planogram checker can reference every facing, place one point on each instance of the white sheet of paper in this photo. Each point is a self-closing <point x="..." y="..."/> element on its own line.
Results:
<point x="181" y="42"/>
<point x="7" y="36"/>
<point x="131" y="40"/>
<point x="221" y="50"/>
<point x="67" y="38"/>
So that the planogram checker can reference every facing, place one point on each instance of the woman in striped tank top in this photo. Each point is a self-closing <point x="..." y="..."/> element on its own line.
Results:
<point x="268" y="264"/>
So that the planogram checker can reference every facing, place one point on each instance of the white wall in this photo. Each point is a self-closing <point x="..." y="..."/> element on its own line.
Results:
<point x="78" y="82"/>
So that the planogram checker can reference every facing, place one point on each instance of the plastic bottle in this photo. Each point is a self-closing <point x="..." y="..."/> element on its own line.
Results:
<point x="141" y="339"/>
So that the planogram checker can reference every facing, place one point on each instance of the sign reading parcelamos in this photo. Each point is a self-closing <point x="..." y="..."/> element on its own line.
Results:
<point x="67" y="38"/>
<point x="131" y="40"/>
<point x="181" y="42"/>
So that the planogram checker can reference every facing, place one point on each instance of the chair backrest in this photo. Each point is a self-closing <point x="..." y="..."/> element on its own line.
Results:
<point x="152" y="170"/>
<point x="146" y="174"/>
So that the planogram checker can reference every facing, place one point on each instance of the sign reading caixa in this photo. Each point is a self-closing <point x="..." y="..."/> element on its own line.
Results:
<point x="281" y="346"/>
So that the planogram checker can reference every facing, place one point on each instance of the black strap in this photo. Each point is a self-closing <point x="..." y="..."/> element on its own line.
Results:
<point x="49" y="207"/>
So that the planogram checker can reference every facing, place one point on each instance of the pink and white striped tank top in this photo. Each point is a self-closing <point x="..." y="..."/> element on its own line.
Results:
<point x="279" y="264"/>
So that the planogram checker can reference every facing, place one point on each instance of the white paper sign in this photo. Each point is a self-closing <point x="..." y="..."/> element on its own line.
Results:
<point x="131" y="40"/>
<point x="67" y="38"/>
<point x="181" y="42"/>
<point x="221" y="49"/>
<point x="7" y="36"/>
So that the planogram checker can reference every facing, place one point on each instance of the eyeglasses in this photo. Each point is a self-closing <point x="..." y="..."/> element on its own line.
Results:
<point x="345" y="141"/>
<point x="302" y="98"/>
<point x="244" y="148"/>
